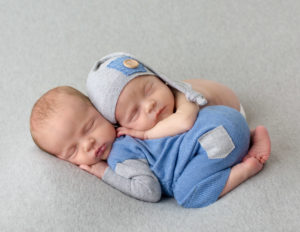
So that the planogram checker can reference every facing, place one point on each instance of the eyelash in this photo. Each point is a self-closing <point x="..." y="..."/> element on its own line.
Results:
<point x="134" y="113"/>
<point x="89" y="126"/>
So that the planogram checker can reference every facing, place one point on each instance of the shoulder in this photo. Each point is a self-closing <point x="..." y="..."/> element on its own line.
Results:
<point x="124" y="148"/>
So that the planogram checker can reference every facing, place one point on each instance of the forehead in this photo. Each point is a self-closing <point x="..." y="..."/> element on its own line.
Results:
<point x="134" y="91"/>
<point x="145" y="78"/>
<point x="137" y="84"/>
<point x="61" y="127"/>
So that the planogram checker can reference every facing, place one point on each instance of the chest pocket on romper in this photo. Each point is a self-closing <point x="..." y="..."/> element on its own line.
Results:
<point x="217" y="143"/>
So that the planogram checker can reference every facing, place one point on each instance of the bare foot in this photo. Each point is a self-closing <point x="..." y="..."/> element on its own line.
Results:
<point x="253" y="165"/>
<point x="261" y="145"/>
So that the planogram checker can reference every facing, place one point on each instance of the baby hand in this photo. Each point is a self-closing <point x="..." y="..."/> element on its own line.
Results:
<point x="131" y="132"/>
<point x="96" y="169"/>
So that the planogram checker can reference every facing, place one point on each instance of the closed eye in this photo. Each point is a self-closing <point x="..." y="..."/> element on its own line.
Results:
<point x="89" y="126"/>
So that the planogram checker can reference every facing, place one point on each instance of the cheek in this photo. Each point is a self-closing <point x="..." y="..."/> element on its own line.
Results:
<point x="167" y="94"/>
<point x="108" y="133"/>
<point x="165" y="114"/>
<point x="112" y="134"/>
<point x="144" y="123"/>
<point x="170" y="101"/>
<point x="149" y="122"/>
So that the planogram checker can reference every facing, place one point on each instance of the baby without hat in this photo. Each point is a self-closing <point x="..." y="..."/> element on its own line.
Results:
<point x="110" y="75"/>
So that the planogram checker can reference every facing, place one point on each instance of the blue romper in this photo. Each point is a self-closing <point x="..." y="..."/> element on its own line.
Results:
<point x="193" y="167"/>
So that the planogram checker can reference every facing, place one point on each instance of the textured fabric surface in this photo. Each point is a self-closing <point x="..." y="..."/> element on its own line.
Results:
<point x="209" y="140"/>
<point x="251" y="45"/>
<point x="184" y="167"/>
<point x="135" y="179"/>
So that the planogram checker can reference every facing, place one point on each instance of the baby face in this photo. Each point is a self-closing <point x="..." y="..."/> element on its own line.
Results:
<point x="143" y="102"/>
<point x="78" y="133"/>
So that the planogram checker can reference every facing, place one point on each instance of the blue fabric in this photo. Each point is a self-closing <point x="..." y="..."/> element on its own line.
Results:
<point x="118" y="65"/>
<point x="181" y="164"/>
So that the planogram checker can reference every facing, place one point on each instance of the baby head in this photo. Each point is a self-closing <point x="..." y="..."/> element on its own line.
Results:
<point x="143" y="102"/>
<point x="126" y="91"/>
<point x="64" y="123"/>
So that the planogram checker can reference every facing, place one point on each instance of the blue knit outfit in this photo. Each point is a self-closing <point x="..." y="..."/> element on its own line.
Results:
<point x="193" y="167"/>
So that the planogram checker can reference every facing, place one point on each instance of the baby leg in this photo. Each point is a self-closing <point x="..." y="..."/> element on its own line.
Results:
<point x="253" y="162"/>
<point x="241" y="172"/>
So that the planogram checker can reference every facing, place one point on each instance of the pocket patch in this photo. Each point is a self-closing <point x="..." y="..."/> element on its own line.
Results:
<point x="217" y="143"/>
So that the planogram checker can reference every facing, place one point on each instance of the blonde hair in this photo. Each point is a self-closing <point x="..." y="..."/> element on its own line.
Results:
<point x="47" y="106"/>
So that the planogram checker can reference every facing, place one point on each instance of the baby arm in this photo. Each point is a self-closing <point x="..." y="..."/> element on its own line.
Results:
<point x="96" y="169"/>
<point x="132" y="177"/>
<point x="180" y="121"/>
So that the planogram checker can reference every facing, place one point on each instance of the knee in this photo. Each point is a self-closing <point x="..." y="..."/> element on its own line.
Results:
<point x="191" y="198"/>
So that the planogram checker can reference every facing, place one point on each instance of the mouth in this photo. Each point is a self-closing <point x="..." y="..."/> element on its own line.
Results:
<point x="99" y="152"/>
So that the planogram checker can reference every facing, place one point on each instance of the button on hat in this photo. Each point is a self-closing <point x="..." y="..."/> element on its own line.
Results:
<point x="130" y="63"/>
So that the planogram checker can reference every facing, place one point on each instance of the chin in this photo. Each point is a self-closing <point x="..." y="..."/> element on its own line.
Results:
<point x="148" y="127"/>
<point x="164" y="116"/>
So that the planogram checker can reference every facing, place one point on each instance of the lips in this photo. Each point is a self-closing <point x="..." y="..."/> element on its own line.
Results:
<point x="99" y="152"/>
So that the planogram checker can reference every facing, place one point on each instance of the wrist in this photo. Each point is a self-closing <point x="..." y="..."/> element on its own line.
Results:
<point x="102" y="174"/>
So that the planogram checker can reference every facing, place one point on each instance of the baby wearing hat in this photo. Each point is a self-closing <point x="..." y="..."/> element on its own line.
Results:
<point x="196" y="167"/>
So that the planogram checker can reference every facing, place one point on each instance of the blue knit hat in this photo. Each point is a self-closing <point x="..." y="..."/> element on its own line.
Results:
<point x="111" y="74"/>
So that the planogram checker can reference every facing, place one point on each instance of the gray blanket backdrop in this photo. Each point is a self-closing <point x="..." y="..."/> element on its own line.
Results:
<point x="253" y="46"/>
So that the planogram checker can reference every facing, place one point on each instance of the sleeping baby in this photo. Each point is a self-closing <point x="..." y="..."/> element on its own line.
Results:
<point x="196" y="163"/>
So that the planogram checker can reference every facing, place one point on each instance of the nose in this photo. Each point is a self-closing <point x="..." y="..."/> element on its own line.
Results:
<point x="150" y="105"/>
<point x="88" y="144"/>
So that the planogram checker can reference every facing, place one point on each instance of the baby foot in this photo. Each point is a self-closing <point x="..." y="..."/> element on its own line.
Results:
<point x="252" y="165"/>
<point x="261" y="145"/>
